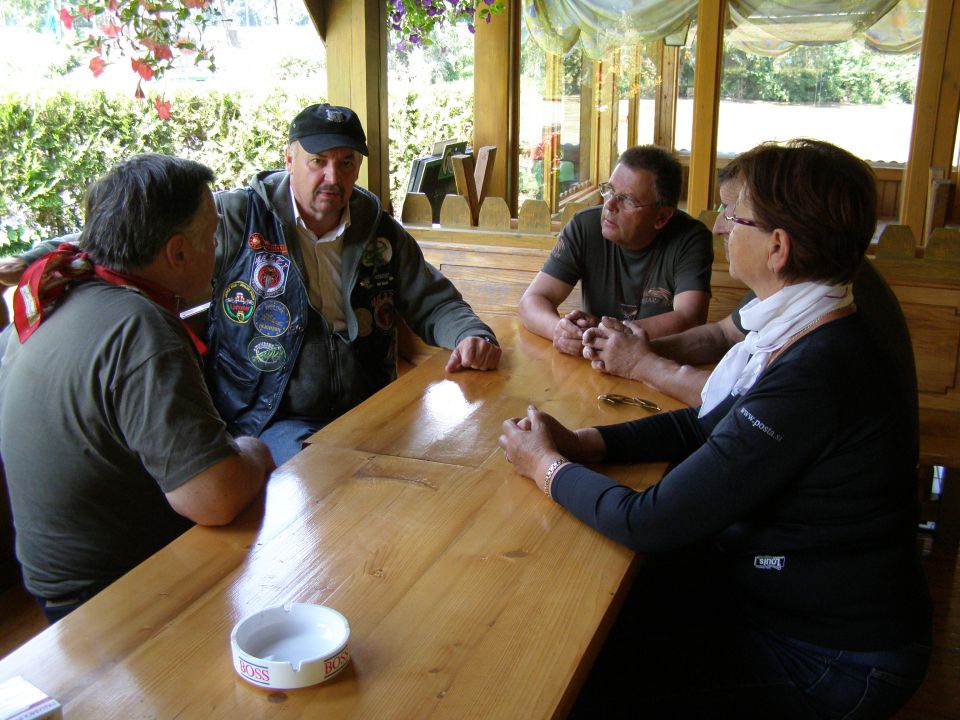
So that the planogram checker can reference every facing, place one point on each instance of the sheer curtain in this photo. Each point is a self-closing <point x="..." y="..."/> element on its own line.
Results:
<point x="767" y="27"/>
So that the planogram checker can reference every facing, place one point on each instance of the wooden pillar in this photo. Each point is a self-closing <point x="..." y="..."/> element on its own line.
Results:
<point x="665" y="106"/>
<point x="706" y="105"/>
<point x="356" y="42"/>
<point x="634" y="83"/>
<point x="936" y="107"/>
<point x="496" y="98"/>
<point x="607" y="117"/>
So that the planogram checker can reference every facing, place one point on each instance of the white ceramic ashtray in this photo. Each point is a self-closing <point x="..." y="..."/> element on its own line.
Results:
<point x="290" y="646"/>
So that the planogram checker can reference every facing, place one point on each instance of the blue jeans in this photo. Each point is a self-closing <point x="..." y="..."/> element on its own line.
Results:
<point x="677" y="652"/>
<point x="56" y="608"/>
<point x="285" y="436"/>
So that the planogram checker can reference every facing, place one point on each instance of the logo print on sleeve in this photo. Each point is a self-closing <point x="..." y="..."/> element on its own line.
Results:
<point x="270" y="274"/>
<point x="238" y="302"/>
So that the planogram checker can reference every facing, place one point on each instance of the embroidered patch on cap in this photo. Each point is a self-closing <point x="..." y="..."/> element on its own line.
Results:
<point x="272" y="318"/>
<point x="270" y="273"/>
<point x="238" y="302"/>
<point x="267" y="355"/>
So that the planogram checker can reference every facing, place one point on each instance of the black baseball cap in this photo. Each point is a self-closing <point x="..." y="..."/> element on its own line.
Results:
<point x="322" y="127"/>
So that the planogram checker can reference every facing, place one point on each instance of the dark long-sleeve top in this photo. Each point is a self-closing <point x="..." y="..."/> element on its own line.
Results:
<point x="805" y="487"/>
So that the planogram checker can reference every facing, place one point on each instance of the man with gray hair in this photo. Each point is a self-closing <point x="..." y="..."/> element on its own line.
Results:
<point x="311" y="280"/>
<point x="110" y="442"/>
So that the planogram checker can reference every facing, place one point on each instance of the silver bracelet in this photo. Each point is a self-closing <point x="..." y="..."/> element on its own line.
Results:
<point x="551" y="471"/>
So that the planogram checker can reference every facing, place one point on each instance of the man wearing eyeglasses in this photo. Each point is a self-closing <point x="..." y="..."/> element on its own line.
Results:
<point x="638" y="258"/>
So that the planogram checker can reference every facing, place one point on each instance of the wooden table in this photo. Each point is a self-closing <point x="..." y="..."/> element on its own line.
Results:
<point x="469" y="594"/>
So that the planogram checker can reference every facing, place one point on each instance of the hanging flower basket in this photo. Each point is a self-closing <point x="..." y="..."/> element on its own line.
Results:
<point x="150" y="35"/>
<point x="412" y="22"/>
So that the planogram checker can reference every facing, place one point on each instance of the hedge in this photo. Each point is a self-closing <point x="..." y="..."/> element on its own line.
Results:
<point x="52" y="147"/>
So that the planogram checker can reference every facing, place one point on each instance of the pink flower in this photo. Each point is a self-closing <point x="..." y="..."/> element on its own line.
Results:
<point x="162" y="108"/>
<point x="66" y="18"/>
<point x="97" y="65"/>
<point x="162" y="52"/>
<point x="139" y="93"/>
<point x="110" y="30"/>
<point x="142" y="68"/>
<point x="196" y="3"/>
<point x="87" y="12"/>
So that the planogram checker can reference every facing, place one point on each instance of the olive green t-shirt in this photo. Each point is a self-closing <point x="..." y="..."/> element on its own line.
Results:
<point x="102" y="410"/>
<point x="679" y="259"/>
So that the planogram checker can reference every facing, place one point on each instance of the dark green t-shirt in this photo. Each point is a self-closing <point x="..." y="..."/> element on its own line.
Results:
<point x="102" y="410"/>
<point x="679" y="260"/>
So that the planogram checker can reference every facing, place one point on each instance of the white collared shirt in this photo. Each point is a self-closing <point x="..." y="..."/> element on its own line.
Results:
<point x="322" y="257"/>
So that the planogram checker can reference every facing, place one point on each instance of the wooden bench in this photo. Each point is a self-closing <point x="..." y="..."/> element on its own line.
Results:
<point x="492" y="266"/>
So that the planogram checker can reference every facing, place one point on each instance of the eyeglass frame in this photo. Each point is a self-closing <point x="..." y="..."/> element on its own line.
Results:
<point x="734" y="218"/>
<point x="624" y="200"/>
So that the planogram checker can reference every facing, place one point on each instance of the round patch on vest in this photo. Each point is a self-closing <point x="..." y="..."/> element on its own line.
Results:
<point x="255" y="241"/>
<point x="270" y="273"/>
<point x="238" y="302"/>
<point x="383" y="310"/>
<point x="364" y="322"/>
<point x="271" y="318"/>
<point x="266" y="354"/>
<point x="377" y="252"/>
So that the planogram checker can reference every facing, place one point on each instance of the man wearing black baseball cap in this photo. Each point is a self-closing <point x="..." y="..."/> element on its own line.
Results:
<point x="310" y="281"/>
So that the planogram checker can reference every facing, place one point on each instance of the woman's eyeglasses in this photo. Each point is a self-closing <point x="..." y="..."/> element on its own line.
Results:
<point x="732" y="217"/>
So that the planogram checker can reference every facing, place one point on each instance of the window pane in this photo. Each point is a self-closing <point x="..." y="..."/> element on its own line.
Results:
<point x="556" y="102"/>
<point x="857" y="98"/>
<point x="639" y="78"/>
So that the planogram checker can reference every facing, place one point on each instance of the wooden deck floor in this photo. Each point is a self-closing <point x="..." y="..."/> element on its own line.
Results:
<point x="937" y="699"/>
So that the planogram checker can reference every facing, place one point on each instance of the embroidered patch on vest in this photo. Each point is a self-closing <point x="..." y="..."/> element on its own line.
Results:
<point x="256" y="241"/>
<point x="271" y="318"/>
<point x="238" y="302"/>
<point x="266" y="355"/>
<point x="270" y="273"/>
<point x="377" y="252"/>
<point x="383" y="310"/>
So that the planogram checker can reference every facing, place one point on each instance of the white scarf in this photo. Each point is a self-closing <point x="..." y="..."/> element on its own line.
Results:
<point x="771" y="323"/>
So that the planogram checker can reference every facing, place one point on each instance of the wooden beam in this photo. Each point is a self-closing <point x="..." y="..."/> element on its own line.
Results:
<point x="496" y="97"/>
<point x="936" y="107"/>
<point x="607" y="117"/>
<point x="706" y="105"/>
<point x="665" y="105"/>
<point x="356" y="42"/>
<point x="317" y="10"/>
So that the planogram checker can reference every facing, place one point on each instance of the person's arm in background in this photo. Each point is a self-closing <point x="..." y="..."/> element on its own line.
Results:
<point x="434" y="308"/>
<point x="539" y="314"/>
<point x="665" y="364"/>
<point x="11" y="268"/>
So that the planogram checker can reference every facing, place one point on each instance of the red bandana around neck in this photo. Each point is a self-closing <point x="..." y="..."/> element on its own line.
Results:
<point x="45" y="281"/>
